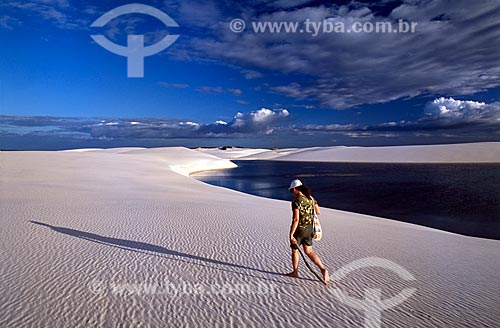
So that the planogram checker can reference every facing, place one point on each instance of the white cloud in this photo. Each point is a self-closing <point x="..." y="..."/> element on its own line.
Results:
<point x="57" y="12"/>
<point x="443" y="119"/>
<point x="261" y="121"/>
<point x="450" y="53"/>
<point x="255" y="122"/>
<point x="250" y="74"/>
<point x="211" y="90"/>
<point x="220" y="90"/>
<point x="198" y="13"/>
<point x="439" y="107"/>
<point x="60" y="3"/>
<point x="8" y="22"/>
<point x="459" y="111"/>
<point x="469" y="117"/>
<point x="326" y="127"/>
<point x="235" y="92"/>
<point x="303" y="106"/>
<point x="174" y="85"/>
<point x="189" y="123"/>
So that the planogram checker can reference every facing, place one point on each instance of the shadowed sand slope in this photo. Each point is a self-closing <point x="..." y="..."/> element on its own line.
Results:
<point x="123" y="237"/>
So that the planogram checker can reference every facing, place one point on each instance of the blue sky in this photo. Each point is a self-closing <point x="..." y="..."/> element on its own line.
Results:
<point x="212" y="87"/>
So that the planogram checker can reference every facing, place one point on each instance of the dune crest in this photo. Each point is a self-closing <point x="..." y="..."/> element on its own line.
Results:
<point x="483" y="152"/>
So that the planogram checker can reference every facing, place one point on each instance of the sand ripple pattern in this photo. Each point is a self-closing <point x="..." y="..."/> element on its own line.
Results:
<point x="115" y="238"/>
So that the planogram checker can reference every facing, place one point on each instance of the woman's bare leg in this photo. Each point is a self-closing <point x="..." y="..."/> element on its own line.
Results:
<point x="316" y="260"/>
<point x="295" y="264"/>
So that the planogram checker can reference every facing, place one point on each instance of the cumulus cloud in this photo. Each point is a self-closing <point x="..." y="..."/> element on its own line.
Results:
<point x="442" y="120"/>
<point x="450" y="53"/>
<point x="262" y="121"/>
<point x="464" y="116"/>
<point x="256" y="122"/>
<point x="259" y="121"/>
<point x="458" y="112"/>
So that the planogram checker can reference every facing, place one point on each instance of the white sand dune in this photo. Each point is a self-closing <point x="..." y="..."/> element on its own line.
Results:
<point x="234" y="153"/>
<point x="105" y="238"/>
<point x="484" y="152"/>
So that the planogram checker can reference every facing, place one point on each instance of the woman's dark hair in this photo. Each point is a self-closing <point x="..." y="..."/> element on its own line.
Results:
<point x="305" y="190"/>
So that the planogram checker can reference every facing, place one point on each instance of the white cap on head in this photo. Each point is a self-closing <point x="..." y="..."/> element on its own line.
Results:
<point x="294" y="184"/>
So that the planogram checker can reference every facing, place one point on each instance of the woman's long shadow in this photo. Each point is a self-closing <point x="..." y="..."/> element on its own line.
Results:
<point x="155" y="250"/>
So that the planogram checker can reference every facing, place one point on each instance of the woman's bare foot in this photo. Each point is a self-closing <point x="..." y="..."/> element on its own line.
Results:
<point x="293" y="274"/>
<point x="326" y="276"/>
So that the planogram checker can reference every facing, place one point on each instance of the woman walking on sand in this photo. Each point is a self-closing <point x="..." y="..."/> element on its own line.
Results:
<point x="301" y="230"/>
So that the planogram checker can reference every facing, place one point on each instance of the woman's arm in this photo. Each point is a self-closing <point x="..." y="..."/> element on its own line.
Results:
<point x="316" y="209"/>
<point x="295" y="223"/>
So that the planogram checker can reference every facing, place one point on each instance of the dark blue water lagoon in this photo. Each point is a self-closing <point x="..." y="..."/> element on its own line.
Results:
<point x="460" y="198"/>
